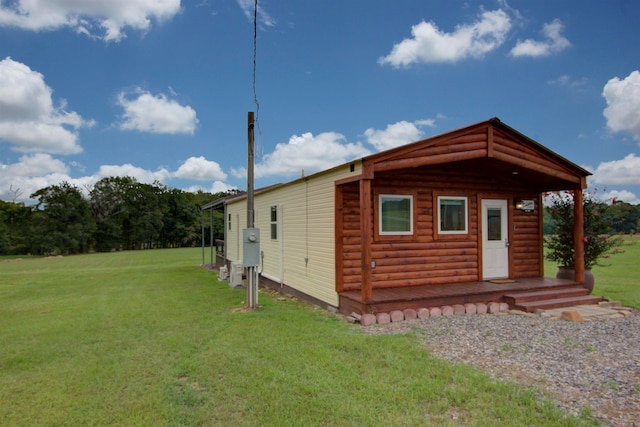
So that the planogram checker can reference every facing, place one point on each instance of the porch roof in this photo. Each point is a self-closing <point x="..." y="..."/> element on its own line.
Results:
<point x="489" y="145"/>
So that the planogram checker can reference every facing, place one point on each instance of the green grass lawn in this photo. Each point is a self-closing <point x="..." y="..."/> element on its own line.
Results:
<point x="150" y="338"/>
<point x="619" y="278"/>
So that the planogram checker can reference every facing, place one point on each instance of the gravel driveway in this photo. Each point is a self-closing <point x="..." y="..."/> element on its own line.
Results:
<point x="593" y="365"/>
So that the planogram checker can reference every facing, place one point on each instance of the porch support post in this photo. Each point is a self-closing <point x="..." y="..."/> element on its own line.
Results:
<point x="366" y="227"/>
<point x="578" y="234"/>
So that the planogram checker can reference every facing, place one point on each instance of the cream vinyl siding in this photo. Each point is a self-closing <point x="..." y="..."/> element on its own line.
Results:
<point x="238" y="212"/>
<point x="303" y="256"/>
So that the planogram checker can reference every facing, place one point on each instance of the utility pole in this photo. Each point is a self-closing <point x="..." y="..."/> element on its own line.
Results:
<point x="251" y="235"/>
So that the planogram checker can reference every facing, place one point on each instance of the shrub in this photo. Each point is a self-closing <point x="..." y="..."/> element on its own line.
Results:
<point x="598" y="240"/>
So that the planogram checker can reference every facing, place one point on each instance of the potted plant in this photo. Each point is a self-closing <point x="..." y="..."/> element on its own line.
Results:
<point x="598" y="240"/>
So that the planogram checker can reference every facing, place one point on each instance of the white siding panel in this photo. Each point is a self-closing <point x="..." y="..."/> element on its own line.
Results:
<point x="238" y="214"/>
<point x="303" y="256"/>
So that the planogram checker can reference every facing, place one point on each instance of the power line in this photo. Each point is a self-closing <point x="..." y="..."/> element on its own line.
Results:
<point x="255" y="62"/>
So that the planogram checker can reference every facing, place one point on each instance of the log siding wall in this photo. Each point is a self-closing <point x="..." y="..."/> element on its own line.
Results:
<point x="428" y="258"/>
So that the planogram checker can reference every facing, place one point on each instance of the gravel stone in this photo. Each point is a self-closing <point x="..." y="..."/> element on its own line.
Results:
<point x="397" y="316"/>
<point x="423" y="313"/>
<point x="592" y="365"/>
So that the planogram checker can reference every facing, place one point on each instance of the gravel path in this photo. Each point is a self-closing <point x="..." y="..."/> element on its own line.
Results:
<point x="593" y="366"/>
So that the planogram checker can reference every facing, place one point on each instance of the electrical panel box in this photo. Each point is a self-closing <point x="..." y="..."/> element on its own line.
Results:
<point x="251" y="247"/>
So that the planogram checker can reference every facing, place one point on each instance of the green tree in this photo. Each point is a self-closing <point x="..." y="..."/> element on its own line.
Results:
<point x="143" y="222"/>
<point x="63" y="222"/>
<point x="15" y="219"/>
<point x="180" y="215"/>
<point x="110" y="208"/>
<point x="624" y="217"/>
<point x="596" y="232"/>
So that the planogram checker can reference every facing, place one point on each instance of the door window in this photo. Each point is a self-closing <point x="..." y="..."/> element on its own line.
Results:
<point x="494" y="224"/>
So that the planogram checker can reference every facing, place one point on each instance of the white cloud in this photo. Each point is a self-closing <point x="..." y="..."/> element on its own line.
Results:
<point x="220" y="187"/>
<point x="200" y="169"/>
<point x="248" y="7"/>
<point x="306" y="153"/>
<point x="568" y="81"/>
<point x="397" y="134"/>
<point x="430" y="44"/>
<point x="216" y="187"/>
<point x="33" y="172"/>
<point x="106" y="20"/>
<point x="622" y="196"/>
<point x="29" y="174"/>
<point x="140" y="174"/>
<point x="554" y="42"/>
<point x="619" y="172"/>
<point x="29" y="121"/>
<point x="157" y="114"/>
<point x="38" y="164"/>
<point x="623" y="104"/>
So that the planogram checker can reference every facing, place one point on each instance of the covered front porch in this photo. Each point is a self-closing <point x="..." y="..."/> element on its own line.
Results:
<point x="524" y="294"/>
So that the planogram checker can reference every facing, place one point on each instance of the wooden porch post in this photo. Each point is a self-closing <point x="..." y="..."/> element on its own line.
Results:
<point x="578" y="234"/>
<point x="366" y="227"/>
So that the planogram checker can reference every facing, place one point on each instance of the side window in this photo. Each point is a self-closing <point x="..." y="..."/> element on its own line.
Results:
<point x="395" y="214"/>
<point x="452" y="215"/>
<point x="274" y="222"/>
<point x="229" y="222"/>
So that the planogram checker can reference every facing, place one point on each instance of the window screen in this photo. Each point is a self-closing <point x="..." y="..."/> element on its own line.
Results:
<point x="452" y="215"/>
<point x="494" y="224"/>
<point x="274" y="223"/>
<point x="396" y="214"/>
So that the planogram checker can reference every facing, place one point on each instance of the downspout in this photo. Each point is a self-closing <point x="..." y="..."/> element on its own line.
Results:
<point x="306" y="226"/>
<point x="281" y="244"/>
<point x="202" y="233"/>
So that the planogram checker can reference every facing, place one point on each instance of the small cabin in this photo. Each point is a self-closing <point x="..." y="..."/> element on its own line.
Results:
<point x="451" y="219"/>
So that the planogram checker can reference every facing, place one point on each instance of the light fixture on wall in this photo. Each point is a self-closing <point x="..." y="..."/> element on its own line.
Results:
<point x="518" y="203"/>
<point x="527" y="205"/>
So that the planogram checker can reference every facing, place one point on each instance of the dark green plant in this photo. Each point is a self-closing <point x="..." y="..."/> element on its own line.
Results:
<point x="62" y="221"/>
<point x="598" y="240"/>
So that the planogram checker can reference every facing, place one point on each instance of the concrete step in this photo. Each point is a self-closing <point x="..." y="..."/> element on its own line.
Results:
<point x="547" y="304"/>
<point x="573" y="291"/>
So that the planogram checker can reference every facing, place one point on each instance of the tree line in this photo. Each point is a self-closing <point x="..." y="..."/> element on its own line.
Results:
<point x="621" y="217"/>
<point x="118" y="214"/>
<point x="123" y="214"/>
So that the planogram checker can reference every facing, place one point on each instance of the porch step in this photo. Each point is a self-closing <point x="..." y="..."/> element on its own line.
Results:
<point x="569" y="291"/>
<point x="548" y="299"/>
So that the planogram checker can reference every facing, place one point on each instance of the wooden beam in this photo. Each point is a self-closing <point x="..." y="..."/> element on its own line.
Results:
<point x="430" y="160"/>
<point x="479" y="237"/>
<point x="444" y="149"/>
<point x="578" y="234"/>
<point x="489" y="141"/>
<point x="367" y="170"/>
<point x="540" y="213"/>
<point x="366" y="229"/>
<point x="536" y="167"/>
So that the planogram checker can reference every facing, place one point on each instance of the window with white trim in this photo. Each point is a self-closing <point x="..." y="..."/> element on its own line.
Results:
<point x="452" y="215"/>
<point x="395" y="215"/>
<point x="274" y="222"/>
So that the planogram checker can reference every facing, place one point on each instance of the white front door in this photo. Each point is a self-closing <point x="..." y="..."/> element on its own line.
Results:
<point x="495" y="239"/>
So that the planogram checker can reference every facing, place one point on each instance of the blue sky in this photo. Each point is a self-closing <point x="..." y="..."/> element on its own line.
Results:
<point x="160" y="89"/>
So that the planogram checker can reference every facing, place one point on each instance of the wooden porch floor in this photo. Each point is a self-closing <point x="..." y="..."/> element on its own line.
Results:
<point x="386" y="300"/>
